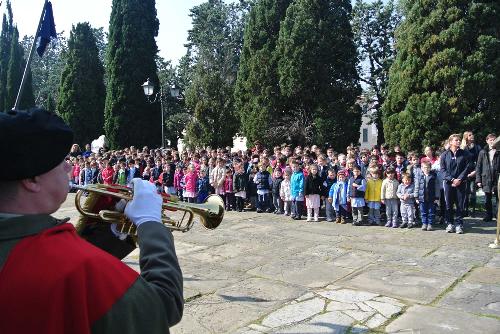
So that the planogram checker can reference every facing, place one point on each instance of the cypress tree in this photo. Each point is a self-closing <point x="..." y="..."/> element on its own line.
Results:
<point x="82" y="90"/>
<point x="130" y="60"/>
<point x="259" y="102"/>
<point x="15" y="71"/>
<point x="5" y="45"/>
<point x="446" y="75"/>
<point x="317" y="71"/>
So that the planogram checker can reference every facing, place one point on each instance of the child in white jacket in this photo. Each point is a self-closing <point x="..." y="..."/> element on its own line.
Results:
<point x="285" y="193"/>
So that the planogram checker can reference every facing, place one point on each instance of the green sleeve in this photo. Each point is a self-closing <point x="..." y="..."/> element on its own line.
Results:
<point x="160" y="268"/>
<point x="155" y="301"/>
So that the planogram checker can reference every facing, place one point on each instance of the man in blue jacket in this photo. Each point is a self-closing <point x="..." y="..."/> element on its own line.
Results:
<point x="455" y="166"/>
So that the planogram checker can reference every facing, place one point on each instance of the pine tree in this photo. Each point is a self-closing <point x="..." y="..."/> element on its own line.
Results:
<point x="317" y="71"/>
<point x="446" y="76"/>
<point x="130" y="60"/>
<point x="258" y="99"/>
<point x="82" y="90"/>
<point x="15" y="72"/>
<point x="214" y="47"/>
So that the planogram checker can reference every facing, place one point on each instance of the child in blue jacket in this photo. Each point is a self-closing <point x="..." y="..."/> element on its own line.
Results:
<point x="297" y="191"/>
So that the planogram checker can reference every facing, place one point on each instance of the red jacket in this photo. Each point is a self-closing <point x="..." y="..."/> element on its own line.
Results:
<point x="190" y="182"/>
<point x="107" y="175"/>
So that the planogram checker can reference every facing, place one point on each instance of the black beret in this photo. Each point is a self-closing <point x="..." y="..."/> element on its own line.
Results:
<point x="32" y="142"/>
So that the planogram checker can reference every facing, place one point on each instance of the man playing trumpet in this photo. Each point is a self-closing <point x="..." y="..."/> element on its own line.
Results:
<point x="53" y="281"/>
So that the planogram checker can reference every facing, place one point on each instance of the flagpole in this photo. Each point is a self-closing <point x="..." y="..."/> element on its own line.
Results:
<point x="28" y="62"/>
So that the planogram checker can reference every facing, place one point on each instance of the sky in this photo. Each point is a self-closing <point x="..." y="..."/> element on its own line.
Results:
<point x="173" y="15"/>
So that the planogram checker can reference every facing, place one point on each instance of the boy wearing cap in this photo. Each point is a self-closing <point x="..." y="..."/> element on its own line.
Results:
<point x="52" y="281"/>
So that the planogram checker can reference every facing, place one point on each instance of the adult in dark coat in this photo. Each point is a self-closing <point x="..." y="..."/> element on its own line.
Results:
<point x="487" y="169"/>
<point x="456" y="165"/>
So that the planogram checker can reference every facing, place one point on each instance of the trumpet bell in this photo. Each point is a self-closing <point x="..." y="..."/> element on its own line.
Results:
<point x="215" y="212"/>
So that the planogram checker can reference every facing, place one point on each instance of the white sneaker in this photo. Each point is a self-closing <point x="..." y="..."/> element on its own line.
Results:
<point x="450" y="228"/>
<point x="459" y="229"/>
<point x="316" y="219"/>
<point x="424" y="227"/>
<point x="308" y="219"/>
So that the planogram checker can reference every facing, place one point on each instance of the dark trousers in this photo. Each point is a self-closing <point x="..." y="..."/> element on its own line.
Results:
<point x="342" y="213"/>
<point x="277" y="203"/>
<point x="455" y="196"/>
<point x="240" y="203"/>
<point x="297" y="207"/>
<point x="470" y="197"/>
<point x="229" y="201"/>
<point x="489" y="202"/>
<point x="263" y="202"/>
<point x="427" y="212"/>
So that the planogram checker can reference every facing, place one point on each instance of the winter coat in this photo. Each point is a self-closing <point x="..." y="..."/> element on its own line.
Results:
<point x="251" y="186"/>
<point x="455" y="166"/>
<point x="217" y="177"/>
<point x="327" y="185"/>
<point x="313" y="185"/>
<point x="107" y="175"/>
<point x="228" y="184"/>
<point x="202" y="185"/>
<point x="263" y="180"/>
<point x="240" y="181"/>
<point x="285" y="191"/>
<point x="389" y="189"/>
<point x="428" y="188"/>
<point x="297" y="184"/>
<point x="357" y="192"/>
<point x="167" y="178"/>
<point x="373" y="190"/>
<point x="406" y="190"/>
<point x="277" y="186"/>
<point x="177" y="180"/>
<point x="190" y="182"/>
<point x="339" y="192"/>
<point x="486" y="174"/>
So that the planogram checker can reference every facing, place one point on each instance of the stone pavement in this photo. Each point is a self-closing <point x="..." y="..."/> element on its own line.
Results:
<point x="264" y="273"/>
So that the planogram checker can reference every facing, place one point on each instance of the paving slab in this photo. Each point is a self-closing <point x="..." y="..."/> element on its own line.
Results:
<point x="376" y="321"/>
<point x="261" y="293"/>
<point x="204" y="279"/>
<point x="347" y="295"/>
<point x="433" y="320"/>
<point x="386" y="309"/>
<point x="400" y="282"/>
<point x="294" y="313"/>
<point x="486" y="275"/>
<point x="304" y="271"/>
<point x="474" y="297"/>
<point x="214" y="314"/>
<point x="355" y="259"/>
<point x="328" y="323"/>
<point x="494" y="262"/>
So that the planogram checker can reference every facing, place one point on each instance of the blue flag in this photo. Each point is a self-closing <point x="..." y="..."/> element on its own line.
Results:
<point x="47" y="30"/>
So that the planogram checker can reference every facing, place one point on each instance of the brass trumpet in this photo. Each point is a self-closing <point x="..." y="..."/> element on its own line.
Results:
<point x="210" y="212"/>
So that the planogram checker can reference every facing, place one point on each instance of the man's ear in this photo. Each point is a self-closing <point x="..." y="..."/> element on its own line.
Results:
<point x="31" y="184"/>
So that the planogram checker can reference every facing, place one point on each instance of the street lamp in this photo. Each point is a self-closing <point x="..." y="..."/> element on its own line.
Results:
<point x="149" y="88"/>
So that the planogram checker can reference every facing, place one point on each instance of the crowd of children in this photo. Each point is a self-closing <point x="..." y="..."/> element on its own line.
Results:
<point x="390" y="188"/>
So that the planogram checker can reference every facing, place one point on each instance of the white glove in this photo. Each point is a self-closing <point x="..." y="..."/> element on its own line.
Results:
<point x="146" y="203"/>
<point x="120" y="207"/>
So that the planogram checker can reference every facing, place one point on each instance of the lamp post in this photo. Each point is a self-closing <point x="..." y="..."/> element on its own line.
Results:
<point x="149" y="88"/>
